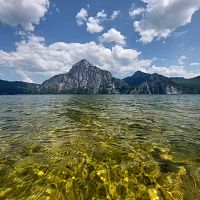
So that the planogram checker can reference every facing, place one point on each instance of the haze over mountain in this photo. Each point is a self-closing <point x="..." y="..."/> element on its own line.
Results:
<point x="85" y="78"/>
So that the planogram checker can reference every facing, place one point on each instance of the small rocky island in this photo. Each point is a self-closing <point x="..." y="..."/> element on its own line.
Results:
<point x="85" y="78"/>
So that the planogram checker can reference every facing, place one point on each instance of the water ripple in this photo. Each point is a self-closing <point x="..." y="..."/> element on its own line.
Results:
<point x="100" y="147"/>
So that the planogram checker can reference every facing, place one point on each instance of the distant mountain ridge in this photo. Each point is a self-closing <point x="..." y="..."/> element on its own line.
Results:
<point x="85" y="78"/>
<point x="17" y="87"/>
<point x="153" y="84"/>
<point x="137" y="78"/>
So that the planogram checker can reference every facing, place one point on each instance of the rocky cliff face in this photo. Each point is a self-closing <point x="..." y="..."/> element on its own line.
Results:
<point x="143" y="83"/>
<point x="188" y="86"/>
<point x="137" y="78"/>
<point x="84" y="78"/>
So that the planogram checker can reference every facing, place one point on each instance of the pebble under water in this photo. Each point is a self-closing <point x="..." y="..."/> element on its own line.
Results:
<point x="137" y="147"/>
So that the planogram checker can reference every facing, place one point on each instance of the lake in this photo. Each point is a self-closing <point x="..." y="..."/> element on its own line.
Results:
<point x="138" y="147"/>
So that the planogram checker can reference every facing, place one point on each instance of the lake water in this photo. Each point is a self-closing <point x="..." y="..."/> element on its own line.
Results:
<point x="100" y="147"/>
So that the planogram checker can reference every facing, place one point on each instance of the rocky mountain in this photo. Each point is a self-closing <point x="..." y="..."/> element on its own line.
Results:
<point x="17" y="87"/>
<point x="84" y="78"/>
<point x="188" y="86"/>
<point x="137" y="78"/>
<point x="143" y="83"/>
<point x="198" y="77"/>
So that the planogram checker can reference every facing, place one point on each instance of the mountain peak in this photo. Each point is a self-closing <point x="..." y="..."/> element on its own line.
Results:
<point x="83" y="62"/>
<point x="84" y="78"/>
<point x="81" y="66"/>
<point x="139" y="72"/>
<point x="137" y="78"/>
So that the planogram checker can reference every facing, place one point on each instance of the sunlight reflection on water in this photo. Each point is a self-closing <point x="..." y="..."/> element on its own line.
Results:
<point x="100" y="147"/>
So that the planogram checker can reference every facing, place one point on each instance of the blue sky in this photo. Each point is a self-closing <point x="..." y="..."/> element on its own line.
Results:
<point x="39" y="39"/>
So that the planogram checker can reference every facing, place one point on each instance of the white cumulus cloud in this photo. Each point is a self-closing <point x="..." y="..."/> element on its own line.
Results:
<point x="24" y="76"/>
<point x="81" y="16"/>
<point x="173" y="71"/>
<point x="195" y="64"/>
<point x="25" y="13"/>
<point x="33" y="58"/>
<point x="113" y="36"/>
<point x="162" y="17"/>
<point x="135" y="11"/>
<point x="115" y="14"/>
<point x="93" y="24"/>
<point x="181" y="60"/>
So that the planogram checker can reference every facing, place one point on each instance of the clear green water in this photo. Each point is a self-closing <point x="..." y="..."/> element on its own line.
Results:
<point x="100" y="147"/>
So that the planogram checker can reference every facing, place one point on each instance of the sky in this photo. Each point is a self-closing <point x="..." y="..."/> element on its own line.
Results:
<point x="42" y="38"/>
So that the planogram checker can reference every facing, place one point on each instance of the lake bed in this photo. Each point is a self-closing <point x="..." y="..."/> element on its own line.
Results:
<point x="100" y="147"/>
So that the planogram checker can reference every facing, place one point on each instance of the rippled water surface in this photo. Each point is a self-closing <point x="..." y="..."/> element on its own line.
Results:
<point x="100" y="147"/>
